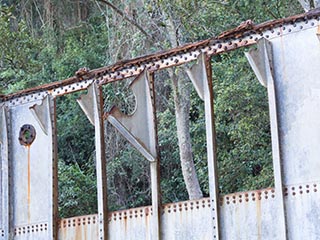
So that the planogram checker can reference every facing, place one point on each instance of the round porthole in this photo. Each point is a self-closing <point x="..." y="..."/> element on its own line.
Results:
<point x="27" y="135"/>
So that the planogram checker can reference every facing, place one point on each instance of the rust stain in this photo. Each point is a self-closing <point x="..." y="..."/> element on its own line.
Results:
<point x="258" y="211"/>
<point x="246" y="28"/>
<point x="29" y="183"/>
<point x="125" y="225"/>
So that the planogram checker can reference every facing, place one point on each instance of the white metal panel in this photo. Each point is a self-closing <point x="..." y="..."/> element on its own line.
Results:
<point x="303" y="211"/>
<point x="297" y="64"/>
<point x="79" y="228"/>
<point x="32" y="176"/>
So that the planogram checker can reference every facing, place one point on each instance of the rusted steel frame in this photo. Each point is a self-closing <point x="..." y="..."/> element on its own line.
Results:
<point x="55" y="184"/>
<point x="155" y="168"/>
<point x="227" y="41"/>
<point x="92" y="105"/>
<point x="261" y="61"/>
<point x="140" y="130"/>
<point x="201" y="77"/>
<point x="4" y="174"/>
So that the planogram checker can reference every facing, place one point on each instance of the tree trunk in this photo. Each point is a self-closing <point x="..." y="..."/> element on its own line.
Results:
<point x="49" y="13"/>
<point x="181" y="90"/>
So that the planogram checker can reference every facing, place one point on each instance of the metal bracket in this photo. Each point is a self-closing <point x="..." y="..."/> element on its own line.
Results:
<point x="201" y="77"/>
<point x="198" y="75"/>
<point x="86" y="102"/>
<point x="261" y="61"/>
<point x="41" y="114"/>
<point x="92" y="104"/>
<point x="131" y="138"/>
<point x="4" y="176"/>
<point x="139" y="127"/>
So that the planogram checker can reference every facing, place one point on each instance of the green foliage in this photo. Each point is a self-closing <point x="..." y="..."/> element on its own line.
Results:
<point x="18" y="52"/>
<point x="128" y="180"/>
<point x="242" y="125"/>
<point x="77" y="189"/>
<point x="172" y="183"/>
<point x="32" y="55"/>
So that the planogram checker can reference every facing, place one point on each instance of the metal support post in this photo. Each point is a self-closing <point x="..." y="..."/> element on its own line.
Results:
<point x="92" y="105"/>
<point x="140" y="130"/>
<point x="201" y="77"/>
<point x="261" y="61"/>
<point x="4" y="177"/>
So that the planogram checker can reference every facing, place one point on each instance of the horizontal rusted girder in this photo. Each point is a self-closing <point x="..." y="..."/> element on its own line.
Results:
<point x="226" y="41"/>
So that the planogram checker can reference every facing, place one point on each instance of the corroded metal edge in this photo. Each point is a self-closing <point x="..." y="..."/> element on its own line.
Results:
<point x="238" y="198"/>
<point x="226" y="41"/>
<point x="79" y="221"/>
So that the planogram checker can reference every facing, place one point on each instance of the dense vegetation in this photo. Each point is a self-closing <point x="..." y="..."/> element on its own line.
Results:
<point x="48" y="40"/>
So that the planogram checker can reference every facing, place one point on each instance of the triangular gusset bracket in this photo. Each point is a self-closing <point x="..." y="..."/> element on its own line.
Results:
<point x="41" y="112"/>
<point x="87" y="101"/>
<point x="139" y="127"/>
<point x="261" y="62"/>
<point x="198" y="75"/>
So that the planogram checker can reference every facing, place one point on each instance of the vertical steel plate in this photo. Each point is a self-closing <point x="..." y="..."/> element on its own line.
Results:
<point x="297" y="64"/>
<point x="32" y="171"/>
<point x="4" y="175"/>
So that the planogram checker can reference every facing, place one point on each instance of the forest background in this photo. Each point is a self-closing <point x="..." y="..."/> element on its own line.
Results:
<point x="43" y="41"/>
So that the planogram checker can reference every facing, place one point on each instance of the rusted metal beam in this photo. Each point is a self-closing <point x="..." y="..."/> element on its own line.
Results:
<point x="226" y="41"/>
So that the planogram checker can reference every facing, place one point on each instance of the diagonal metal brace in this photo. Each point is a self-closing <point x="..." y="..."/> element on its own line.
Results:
<point x="139" y="127"/>
<point x="41" y="114"/>
<point x="131" y="138"/>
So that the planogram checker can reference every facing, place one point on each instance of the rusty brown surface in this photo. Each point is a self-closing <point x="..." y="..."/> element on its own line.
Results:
<point x="243" y="29"/>
<point x="248" y="27"/>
